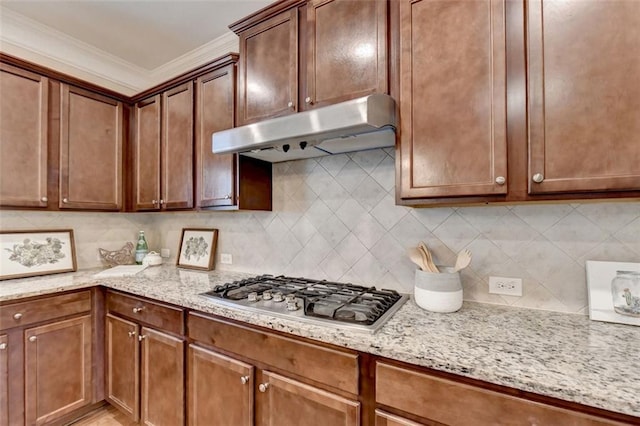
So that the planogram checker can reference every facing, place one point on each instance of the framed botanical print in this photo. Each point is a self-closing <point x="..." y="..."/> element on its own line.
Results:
<point x="32" y="253"/>
<point x="198" y="248"/>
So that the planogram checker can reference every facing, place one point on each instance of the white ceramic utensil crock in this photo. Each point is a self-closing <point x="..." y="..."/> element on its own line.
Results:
<point x="438" y="292"/>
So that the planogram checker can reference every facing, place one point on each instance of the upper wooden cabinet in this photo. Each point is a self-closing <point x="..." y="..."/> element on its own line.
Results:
<point x="24" y="122"/>
<point x="452" y="98"/>
<point x="91" y="146"/>
<point x="584" y="95"/>
<point x="163" y="150"/>
<point x="311" y="55"/>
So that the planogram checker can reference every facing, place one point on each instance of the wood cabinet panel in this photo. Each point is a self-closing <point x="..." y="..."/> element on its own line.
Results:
<point x="147" y="312"/>
<point x="162" y="379"/>
<point x="346" y="51"/>
<point x="25" y="313"/>
<point x="4" y="380"/>
<point x="177" y="147"/>
<point x="215" y="100"/>
<point x="268" y="69"/>
<point x="438" y="400"/>
<point x="387" y="419"/>
<point x="57" y="385"/>
<point x="584" y="95"/>
<point x="122" y="366"/>
<point x="91" y="132"/>
<point x="229" y="380"/>
<point x="452" y="98"/>
<point x="303" y="359"/>
<point x="146" y="173"/>
<point x="23" y="137"/>
<point x="284" y="402"/>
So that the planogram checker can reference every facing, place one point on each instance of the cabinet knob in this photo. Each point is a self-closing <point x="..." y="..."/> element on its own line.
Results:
<point x="290" y="104"/>
<point x="65" y="200"/>
<point x="141" y="337"/>
<point x="227" y="197"/>
<point x="17" y="316"/>
<point x="3" y="346"/>
<point x="500" y="180"/>
<point x="538" y="177"/>
<point x="154" y="202"/>
<point x="138" y="310"/>
<point x="132" y="333"/>
<point x="308" y="100"/>
<point x="33" y="338"/>
<point x="263" y="387"/>
<point x="244" y="380"/>
<point x="161" y="202"/>
<point x="44" y="199"/>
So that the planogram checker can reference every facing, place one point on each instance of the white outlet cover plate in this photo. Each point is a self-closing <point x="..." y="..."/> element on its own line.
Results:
<point x="505" y="285"/>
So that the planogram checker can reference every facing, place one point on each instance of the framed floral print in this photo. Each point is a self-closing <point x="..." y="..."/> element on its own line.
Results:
<point x="198" y="248"/>
<point x="32" y="253"/>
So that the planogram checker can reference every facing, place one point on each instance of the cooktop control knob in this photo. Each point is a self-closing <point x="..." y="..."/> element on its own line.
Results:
<point x="278" y="296"/>
<point x="267" y="295"/>
<point x="292" y="306"/>
<point x="253" y="296"/>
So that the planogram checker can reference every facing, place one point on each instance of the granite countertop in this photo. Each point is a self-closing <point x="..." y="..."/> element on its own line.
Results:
<point x="565" y="356"/>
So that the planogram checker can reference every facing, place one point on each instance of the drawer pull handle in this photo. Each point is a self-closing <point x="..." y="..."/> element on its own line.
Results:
<point x="33" y="338"/>
<point x="65" y="200"/>
<point x="263" y="387"/>
<point x="3" y="346"/>
<point x="500" y="180"/>
<point x="538" y="178"/>
<point x="17" y="316"/>
<point x="244" y="380"/>
<point x="138" y="310"/>
<point x="141" y="337"/>
<point x="132" y="333"/>
<point x="44" y="199"/>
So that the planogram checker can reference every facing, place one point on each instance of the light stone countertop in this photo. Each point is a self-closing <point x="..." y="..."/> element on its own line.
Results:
<point x="560" y="355"/>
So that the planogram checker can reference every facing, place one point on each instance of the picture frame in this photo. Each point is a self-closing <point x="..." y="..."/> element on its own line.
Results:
<point x="197" y="248"/>
<point x="32" y="253"/>
<point x="600" y="277"/>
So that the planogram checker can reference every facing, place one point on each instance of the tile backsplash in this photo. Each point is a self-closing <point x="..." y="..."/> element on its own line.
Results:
<point x="335" y="218"/>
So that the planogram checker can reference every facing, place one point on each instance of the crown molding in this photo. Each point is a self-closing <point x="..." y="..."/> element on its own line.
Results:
<point x="29" y="40"/>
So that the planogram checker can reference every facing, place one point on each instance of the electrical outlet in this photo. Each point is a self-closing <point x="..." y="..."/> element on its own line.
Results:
<point x="165" y="252"/>
<point x="504" y="285"/>
<point x="226" y="258"/>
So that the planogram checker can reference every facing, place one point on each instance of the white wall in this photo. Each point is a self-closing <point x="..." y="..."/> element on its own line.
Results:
<point x="335" y="218"/>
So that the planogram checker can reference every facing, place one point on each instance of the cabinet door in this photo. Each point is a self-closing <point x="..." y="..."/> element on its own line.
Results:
<point x="90" y="150"/>
<point x="285" y="402"/>
<point x="387" y="419"/>
<point x="4" y="380"/>
<point x="220" y="389"/>
<point x="57" y="369"/>
<point x="584" y="95"/>
<point x="147" y="154"/>
<point x="268" y="67"/>
<point x="177" y="148"/>
<point x="216" y="173"/>
<point x="346" y="51"/>
<point x="122" y="366"/>
<point x="452" y="98"/>
<point x="162" y="387"/>
<point x="23" y="137"/>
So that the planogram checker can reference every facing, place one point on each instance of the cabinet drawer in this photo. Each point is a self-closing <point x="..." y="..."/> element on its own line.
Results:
<point x="33" y="311"/>
<point x="452" y="403"/>
<point x="331" y="367"/>
<point x="155" y="314"/>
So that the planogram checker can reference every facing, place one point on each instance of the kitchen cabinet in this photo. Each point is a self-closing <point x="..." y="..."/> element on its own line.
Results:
<point x="24" y="114"/>
<point x="433" y="398"/>
<point x="145" y="359"/>
<point x="91" y="146"/>
<point x="310" y="55"/>
<point x="452" y="98"/>
<point x="163" y="150"/>
<point x="38" y="337"/>
<point x="386" y="419"/>
<point x="584" y="96"/>
<point x="310" y="382"/>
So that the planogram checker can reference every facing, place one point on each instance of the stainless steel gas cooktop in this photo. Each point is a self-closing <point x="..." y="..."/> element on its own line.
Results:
<point x="346" y="306"/>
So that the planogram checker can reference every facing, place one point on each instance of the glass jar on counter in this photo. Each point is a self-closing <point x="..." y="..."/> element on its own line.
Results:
<point x="625" y="291"/>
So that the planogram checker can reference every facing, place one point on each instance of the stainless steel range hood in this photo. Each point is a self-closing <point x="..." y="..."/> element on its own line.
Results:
<point x="355" y="125"/>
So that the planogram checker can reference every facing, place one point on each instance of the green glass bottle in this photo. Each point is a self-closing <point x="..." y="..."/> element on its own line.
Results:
<point x="141" y="248"/>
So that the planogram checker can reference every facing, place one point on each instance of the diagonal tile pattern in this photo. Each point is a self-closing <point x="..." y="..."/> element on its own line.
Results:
<point x="335" y="218"/>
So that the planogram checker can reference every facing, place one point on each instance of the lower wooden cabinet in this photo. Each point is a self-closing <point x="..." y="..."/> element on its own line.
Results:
<point x="387" y="419"/>
<point x="445" y="401"/>
<point x="4" y="380"/>
<point x="144" y="365"/>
